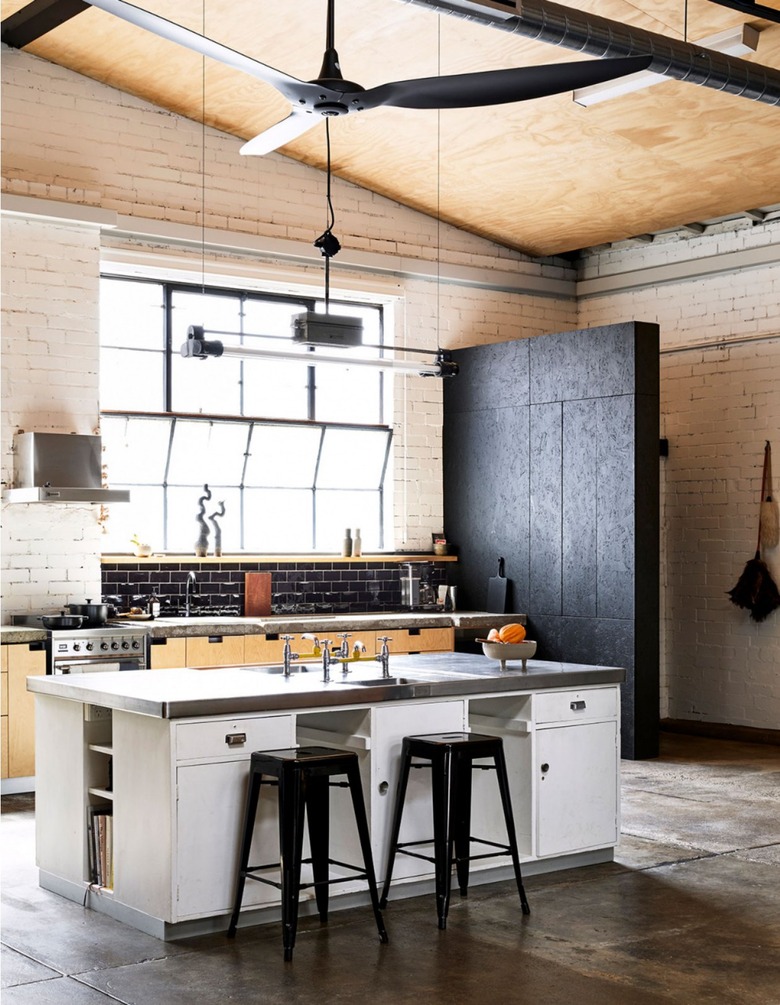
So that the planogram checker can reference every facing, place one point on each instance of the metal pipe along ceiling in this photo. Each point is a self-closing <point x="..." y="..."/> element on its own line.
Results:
<point x="598" y="36"/>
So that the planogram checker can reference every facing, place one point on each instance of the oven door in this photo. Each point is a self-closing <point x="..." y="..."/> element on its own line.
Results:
<point x="111" y="665"/>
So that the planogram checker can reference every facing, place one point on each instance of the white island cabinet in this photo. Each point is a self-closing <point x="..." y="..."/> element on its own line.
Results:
<point x="163" y="757"/>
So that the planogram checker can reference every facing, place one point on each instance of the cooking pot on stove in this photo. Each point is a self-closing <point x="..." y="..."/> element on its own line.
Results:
<point x="94" y="614"/>
<point x="60" y="621"/>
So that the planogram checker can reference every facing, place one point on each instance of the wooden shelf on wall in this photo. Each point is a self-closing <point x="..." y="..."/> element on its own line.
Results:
<point x="169" y="558"/>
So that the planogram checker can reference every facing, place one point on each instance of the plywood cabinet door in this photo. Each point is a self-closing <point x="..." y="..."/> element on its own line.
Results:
<point x="417" y="640"/>
<point x="4" y="711"/>
<point x="215" y="650"/>
<point x="23" y="662"/>
<point x="164" y="654"/>
<point x="577" y="787"/>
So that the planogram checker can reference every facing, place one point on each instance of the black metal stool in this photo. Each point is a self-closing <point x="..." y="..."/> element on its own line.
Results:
<point x="451" y="756"/>
<point x="303" y="778"/>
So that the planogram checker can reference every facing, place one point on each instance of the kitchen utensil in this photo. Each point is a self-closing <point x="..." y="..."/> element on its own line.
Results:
<point x="95" y="615"/>
<point x="497" y="591"/>
<point x="60" y="621"/>
<point x="257" y="594"/>
<point x="506" y="651"/>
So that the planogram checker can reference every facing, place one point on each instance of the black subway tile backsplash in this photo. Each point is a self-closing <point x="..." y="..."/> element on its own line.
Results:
<point x="296" y="587"/>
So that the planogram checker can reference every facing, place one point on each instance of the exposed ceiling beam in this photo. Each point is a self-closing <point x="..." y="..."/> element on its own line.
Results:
<point x="583" y="31"/>
<point x="37" y="18"/>
<point x="751" y="8"/>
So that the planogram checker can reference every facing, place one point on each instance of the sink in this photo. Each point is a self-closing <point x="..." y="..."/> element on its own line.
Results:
<point x="295" y="668"/>
<point x="387" y="681"/>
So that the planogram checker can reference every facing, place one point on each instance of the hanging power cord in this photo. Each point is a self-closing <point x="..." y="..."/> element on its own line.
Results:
<point x="327" y="242"/>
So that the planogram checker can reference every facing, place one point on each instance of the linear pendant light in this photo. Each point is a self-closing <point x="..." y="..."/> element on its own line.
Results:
<point x="198" y="347"/>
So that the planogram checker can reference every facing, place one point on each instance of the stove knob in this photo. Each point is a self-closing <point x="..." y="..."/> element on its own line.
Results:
<point x="114" y="645"/>
<point x="104" y="645"/>
<point x="125" y="644"/>
<point x="89" y="647"/>
<point x="136" y="644"/>
<point x="76" y="647"/>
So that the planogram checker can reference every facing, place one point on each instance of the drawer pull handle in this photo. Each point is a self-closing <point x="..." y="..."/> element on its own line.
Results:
<point x="235" y="739"/>
<point x="577" y="706"/>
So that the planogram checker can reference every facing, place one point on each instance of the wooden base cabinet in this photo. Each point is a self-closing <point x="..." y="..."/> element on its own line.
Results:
<point x="23" y="660"/>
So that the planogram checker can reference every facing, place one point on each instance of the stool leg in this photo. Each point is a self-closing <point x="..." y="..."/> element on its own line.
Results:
<point x="317" y="798"/>
<point x="442" y="792"/>
<point x="506" y="801"/>
<point x="359" y="807"/>
<point x="291" y="808"/>
<point x="250" y="812"/>
<point x="462" y="778"/>
<point x="398" y="809"/>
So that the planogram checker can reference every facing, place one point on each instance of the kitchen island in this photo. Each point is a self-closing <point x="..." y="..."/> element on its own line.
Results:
<point x="165" y="755"/>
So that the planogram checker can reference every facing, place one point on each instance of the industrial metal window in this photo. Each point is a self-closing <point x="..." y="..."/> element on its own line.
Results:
<point x="296" y="452"/>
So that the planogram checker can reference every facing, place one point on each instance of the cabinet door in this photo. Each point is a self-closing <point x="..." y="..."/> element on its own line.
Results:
<point x="418" y="640"/>
<point x="167" y="653"/>
<point x="215" y="650"/>
<point x="23" y="662"/>
<point x="210" y="799"/>
<point x="4" y="711"/>
<point x="390" y="726"/>
<point x="577" y="787"/>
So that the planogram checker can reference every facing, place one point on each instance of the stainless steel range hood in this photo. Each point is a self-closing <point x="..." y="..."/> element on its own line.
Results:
<point x="60" y="467"/>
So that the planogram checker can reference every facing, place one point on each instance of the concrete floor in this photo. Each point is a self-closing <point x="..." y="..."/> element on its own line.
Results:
<point x="689" y="913"/>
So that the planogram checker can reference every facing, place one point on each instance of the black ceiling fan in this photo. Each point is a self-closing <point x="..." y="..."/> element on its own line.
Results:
<point x="331" y="95"/>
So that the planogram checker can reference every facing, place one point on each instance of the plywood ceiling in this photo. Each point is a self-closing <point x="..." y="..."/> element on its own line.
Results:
<point x="545" y="176"/>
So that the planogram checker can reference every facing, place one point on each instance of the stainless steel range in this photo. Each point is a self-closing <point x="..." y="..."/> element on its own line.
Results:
<point x="90" y="650"/>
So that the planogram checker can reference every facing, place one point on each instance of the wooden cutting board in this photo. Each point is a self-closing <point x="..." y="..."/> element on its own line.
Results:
<point x="257" y="594"/>
<point x="497" y="591"/>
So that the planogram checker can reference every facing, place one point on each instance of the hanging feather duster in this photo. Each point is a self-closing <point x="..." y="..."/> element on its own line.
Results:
<point x="756" y="591"/>
<point x="770" y="512"/>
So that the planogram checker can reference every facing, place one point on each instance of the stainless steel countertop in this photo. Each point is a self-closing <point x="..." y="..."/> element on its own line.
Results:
<point x="174" y="694"/>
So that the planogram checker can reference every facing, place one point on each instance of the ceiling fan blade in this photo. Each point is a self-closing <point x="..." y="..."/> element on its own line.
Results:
<point x="290" y="87"/>
<point x="289" y="129"/>
<point x="496" y="87"/>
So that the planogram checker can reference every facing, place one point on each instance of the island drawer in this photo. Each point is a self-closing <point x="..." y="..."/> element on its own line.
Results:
<point x="572" y="706"/>
<point x="229" y="738"/>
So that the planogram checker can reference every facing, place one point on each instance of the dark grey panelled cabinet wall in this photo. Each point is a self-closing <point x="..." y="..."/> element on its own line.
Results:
<point x="551" y="459"/>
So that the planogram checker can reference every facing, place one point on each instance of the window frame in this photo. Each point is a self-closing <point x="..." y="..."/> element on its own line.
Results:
<point x="169" y="289"/>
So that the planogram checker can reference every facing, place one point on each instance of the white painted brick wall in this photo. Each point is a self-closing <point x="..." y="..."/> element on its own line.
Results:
<point x="50" y="554"/>
<point x="718" y="406"/>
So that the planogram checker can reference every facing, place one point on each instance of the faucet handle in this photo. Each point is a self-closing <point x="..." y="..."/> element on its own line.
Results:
<point x="286" y="638"/>
<point x="384" y="639"/>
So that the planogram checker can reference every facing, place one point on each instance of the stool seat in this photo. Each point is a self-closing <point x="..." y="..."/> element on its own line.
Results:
<point x="451" y="757"/>
<point x="302" y="776"/>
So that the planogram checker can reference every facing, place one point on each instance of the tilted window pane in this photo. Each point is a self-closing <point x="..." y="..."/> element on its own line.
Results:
<point x="277" y="520"/>
<point x="142" y="517"/>
<point x="337" y="510"/>
<point x="183" y="525"/>
<point x="282" y="456"/>
<point x="207" y="452"/>
<point x="352" y="458"/>
<point x="132" y="314"/>
<point x="131" y="379"/>
<point x="135" y="449"/>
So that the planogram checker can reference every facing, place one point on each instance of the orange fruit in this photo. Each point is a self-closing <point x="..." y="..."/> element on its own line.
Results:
<point x="512" y="633"/>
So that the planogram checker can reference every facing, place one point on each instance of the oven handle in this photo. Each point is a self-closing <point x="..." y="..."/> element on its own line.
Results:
<point x="95" y="666"/>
